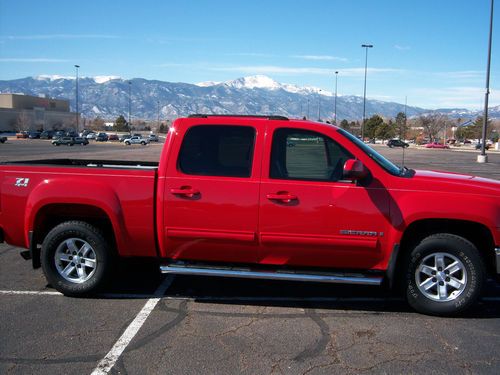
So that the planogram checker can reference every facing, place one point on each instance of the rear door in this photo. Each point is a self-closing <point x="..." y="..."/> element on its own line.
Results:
<point x="212" y="193"/>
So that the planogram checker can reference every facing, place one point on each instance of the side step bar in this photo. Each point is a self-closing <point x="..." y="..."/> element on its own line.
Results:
<point x="357" y="279"/>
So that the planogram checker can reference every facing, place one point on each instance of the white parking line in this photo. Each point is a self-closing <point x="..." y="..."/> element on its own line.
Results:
<point x="29" y="292"/>
<point x="107" y="363"/>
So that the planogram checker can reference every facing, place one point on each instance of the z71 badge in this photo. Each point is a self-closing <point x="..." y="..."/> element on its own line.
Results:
<point x="22" y="182"/>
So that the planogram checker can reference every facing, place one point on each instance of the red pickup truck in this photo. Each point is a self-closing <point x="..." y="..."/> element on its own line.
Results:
<point x="259" y="197"/>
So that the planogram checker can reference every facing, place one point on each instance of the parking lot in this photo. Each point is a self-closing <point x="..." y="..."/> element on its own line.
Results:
<point x="145" y="323"/>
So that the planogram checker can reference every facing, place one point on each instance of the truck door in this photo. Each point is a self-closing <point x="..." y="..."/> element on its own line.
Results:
<point x="309" y="215"/>
<point x="212" y="192"/>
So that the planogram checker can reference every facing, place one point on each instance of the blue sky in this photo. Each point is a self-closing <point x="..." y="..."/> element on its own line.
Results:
<point x="432" y="51"/>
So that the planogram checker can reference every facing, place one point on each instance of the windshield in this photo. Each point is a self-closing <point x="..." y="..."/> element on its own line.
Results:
<point x="379" y="159"/>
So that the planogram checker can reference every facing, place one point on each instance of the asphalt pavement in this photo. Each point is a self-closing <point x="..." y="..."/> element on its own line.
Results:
<point x="146" y="323"/>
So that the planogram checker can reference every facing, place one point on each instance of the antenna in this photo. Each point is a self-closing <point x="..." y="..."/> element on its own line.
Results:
<point x="404" y="134"/>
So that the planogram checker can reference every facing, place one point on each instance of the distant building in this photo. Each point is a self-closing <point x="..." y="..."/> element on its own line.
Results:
<point x="25" y="112"/>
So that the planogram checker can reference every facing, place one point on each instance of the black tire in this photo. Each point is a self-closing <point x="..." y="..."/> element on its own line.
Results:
<point x="460" y="289"/>
<point x="127" y="143"/>
<point x="143" y="143"/>
<point x="56" y="244"/>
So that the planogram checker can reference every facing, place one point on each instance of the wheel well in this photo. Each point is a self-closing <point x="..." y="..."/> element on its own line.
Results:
<point x="476" y="233"/>
<point x="52" y="215"/>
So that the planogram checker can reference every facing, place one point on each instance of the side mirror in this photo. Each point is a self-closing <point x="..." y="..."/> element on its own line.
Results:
<point x="355" y="170"/>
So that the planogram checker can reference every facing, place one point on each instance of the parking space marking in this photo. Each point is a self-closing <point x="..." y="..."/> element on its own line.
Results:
<point x="29" y="292"/>
<point x="107" y="363"/>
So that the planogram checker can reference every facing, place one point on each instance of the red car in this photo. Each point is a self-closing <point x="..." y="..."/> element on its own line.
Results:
<point x="436" y="145"/>
<point x="230" y="198"/>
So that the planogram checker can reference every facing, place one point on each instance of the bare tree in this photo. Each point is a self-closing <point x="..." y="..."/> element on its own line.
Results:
<point x="23" y="122"/>
<point x="432" y="124"/>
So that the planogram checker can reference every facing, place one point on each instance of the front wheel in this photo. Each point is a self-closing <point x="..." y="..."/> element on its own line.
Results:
<point x="75" y="258"/>
<point x="127" y="143"/>
<point x="445" y="275"/>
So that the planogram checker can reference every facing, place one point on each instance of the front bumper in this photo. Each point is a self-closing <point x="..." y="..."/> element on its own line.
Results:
<point x="497" y="259"/>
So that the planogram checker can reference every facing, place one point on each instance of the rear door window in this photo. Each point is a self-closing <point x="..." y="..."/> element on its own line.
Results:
<point x="217" y="150"/>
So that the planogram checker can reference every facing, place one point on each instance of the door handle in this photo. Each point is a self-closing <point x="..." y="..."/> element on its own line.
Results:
<point x="284" y="197"/>
<point x="186" y="191"/>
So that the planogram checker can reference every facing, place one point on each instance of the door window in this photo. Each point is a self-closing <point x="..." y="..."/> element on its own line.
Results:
<point x="306" y="155"/>
<point x="213" y="150"/>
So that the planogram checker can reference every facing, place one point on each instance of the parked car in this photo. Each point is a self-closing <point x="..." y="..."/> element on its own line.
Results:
<point x="22" y="135"/>
<point x="91" y="136"/>
<point x="34" y="135"/>
<point x="47" y="134"/>
<point x="3" y="139"/>
<point x="479" y="145"/>
<point x="80" y="141"/>
<point x="124" y="136"/>
<point x="153" y="138"/>
<point x="113" y="137"/>
<point x="68" y="141"/>
<point x="136" y="140"/>
<point x="436" y="145"/>
<point x="59" y="134"/>
<point x="397" y="143"/>
<point x="101" y="137"/>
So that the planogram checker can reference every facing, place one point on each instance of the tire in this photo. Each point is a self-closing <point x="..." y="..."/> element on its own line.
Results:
<point x="127" y="143"/>
<point x="76" y="242"/>
<point x="445" y="275"/>
<point x="143" y="143"/>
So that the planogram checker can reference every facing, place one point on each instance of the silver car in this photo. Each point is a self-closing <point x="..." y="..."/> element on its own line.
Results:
<point x="135" y="140"/>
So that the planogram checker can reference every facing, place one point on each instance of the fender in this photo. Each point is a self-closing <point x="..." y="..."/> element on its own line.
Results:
<point x="70" y="191"/>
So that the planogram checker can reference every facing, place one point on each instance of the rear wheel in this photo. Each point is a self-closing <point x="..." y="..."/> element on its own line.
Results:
<point x="127" y="143"/>
<point x="75" y="258"/>
<point x="143" y="143"/>
<point x="445" y="275"/>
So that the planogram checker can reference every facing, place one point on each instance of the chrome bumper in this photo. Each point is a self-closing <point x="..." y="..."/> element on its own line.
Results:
<point x="497" y="258"/>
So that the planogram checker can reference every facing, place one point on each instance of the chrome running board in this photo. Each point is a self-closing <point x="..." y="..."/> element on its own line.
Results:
<point x="320" y="277"/>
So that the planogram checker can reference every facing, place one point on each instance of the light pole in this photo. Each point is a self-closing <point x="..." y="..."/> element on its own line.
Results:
<point x="483" y="158"/>
<point x="319" y="106"/>
<point x="129" y="106"/>
<point x="365" y="46"/>
<point x="335" y="106"/>
<point x="77" y="117"/>
<point x="308" y="108"/>
<point x="158" y="115"/>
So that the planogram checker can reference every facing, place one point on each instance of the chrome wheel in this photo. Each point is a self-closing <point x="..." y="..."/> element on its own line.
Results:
<point x="441" y="277"/>
<point x="75" y="260"/>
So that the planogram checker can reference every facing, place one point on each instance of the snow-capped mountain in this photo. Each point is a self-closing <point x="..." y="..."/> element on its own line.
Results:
<point x="107" y="97"/>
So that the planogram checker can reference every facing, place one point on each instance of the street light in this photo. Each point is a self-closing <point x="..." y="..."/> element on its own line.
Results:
<point x="319" y="106"/>
<point x="158" y="115"/>
<point x="77" y="117"/>
<point x="308" y="108"/>
<point x="129" y="106"/>
<point x="335" y="106"/>
<point x="365" y="46"/>
<point x="483" y="158"/>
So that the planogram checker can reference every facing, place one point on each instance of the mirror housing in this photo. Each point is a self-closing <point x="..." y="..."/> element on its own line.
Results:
<point x="355" y="170"/>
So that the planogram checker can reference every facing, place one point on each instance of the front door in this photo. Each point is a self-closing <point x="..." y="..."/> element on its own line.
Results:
<point x="309" y="215"/>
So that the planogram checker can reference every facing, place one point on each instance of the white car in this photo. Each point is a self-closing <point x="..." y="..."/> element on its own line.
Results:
<point x="135" y="140"/>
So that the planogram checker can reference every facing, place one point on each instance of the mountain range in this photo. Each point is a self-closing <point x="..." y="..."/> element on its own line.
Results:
<point x="108" y="97"/>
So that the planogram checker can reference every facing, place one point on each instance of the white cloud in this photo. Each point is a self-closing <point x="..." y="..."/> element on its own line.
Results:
<point x="32" y="60"/>
<point x="272" y="69"/>
<point x="319" y="58"/>
<point x="454" y="97"/>
<point x="402" y="48"/>
<point x="59" y="36"/>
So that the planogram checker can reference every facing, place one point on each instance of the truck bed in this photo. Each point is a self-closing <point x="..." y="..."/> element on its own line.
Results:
<point x="122" y="193"/>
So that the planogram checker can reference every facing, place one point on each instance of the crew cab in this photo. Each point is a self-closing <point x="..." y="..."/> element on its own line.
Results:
<point x="230" y="198"/>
